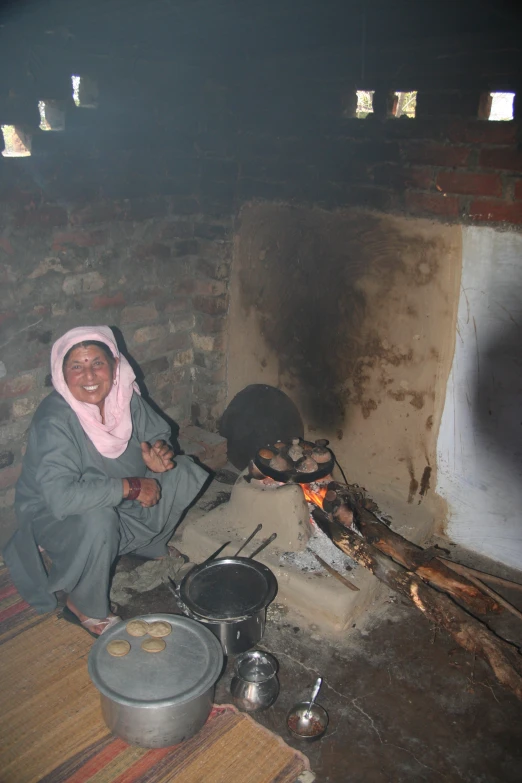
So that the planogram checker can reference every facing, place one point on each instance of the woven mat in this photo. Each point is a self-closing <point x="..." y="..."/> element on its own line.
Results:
<point x="52" y="729"/>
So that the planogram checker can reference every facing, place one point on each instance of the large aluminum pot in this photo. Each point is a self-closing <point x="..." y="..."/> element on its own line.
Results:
<point x="230" y="596"/>
<point x="157" y="700"/>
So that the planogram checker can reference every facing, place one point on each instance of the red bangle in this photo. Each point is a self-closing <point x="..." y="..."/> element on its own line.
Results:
<point x="134" y="488"/>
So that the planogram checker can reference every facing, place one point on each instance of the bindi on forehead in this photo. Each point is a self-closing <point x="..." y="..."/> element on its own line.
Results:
<point x="84" y="358"/>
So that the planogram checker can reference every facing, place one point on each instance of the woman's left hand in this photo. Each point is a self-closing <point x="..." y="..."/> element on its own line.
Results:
<point x="159" y="457"/>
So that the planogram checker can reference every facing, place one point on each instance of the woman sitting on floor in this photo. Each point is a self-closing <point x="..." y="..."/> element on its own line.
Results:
<point x="98" y="480"/>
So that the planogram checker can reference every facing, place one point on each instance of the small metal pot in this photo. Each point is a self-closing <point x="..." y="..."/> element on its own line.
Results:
<point x="230" y="597"/>
<point x="255" y="685"/>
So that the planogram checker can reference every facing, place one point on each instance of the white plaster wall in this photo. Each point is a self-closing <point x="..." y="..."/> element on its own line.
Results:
<point x="480" y="439"/>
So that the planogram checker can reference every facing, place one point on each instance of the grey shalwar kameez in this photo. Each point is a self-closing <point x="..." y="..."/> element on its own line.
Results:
<point x="69" y="501"/>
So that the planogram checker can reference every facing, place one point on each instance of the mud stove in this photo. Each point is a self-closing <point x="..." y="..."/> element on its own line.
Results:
<point x="281" y="487"/>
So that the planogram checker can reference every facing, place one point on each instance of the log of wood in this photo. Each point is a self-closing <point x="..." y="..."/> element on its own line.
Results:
<point x="467" y="631"/>
<point x="463" y="570"/>
<point x="425" y="565"/>
<point x="483" y="576"/>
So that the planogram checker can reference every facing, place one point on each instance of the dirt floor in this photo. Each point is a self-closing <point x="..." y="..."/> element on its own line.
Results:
<point x="405" y="703"/>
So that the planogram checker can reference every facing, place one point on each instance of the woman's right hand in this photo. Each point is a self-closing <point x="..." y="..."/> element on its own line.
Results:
<point x="150" y="491"/>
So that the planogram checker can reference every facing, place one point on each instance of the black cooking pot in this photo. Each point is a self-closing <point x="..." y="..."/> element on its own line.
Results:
<point x="230" y="596"/>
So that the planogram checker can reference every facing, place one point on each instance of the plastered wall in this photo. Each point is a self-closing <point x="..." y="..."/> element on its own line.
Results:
<point x="479" y="450"/>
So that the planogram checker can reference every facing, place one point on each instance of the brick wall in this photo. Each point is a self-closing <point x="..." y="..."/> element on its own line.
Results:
<point x="151" y="267"/>
<point x="456" y="170"/>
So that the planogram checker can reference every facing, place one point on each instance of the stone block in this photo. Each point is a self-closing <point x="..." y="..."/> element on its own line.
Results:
<point x="137" y="314"/>
<point x="179" y="413"/>
<point x="209" y="231"/>
<point x="178" y="341"/>
<point x="199" y="287"/>
<point x="210" y="324"/>
<point x="155" y="366"/>
<point x="211" y="305"/>
<point x="79" y="239"/>
<point x="181" y="322"/>
<point x="14" y="387"/>
<point x="46" y="216"/>
<point x="183" y="358"/>
<point x="7" y="498"/>
<point x="177" y="229"/>
<point x="23" y="407"/>
<point x="176" y="304"/>
<point x="203" y="342"/>
<point x="5" y="412"/>
<point x="185" y="206"/>
<point x="153" y="250"/>
<point x="105" y="302"/>
<point x="186" y="247"/>
<point x="9" y="476"/>
<point x="6" y="246"/>
<point x="209" y="447"/>
<point x="6" y="459"/>
<point x="148" y="333"/>
<point x="86" y="282"/>
<point x="100" y="212"/>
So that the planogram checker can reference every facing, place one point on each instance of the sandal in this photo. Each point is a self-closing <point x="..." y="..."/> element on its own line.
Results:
<point x="90" y="622"/>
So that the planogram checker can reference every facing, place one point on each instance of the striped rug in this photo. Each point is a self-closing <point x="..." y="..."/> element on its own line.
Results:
<point x="52" y="731"/>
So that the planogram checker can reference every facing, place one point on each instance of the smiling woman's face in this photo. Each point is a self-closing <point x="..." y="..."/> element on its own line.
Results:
<point x="89" y="374"/>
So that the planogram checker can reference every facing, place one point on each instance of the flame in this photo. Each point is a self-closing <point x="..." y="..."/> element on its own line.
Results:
<point x="314" y="497"/>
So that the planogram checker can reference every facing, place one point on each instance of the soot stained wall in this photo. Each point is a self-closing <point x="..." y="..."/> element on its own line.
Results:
<point x="353" y="315"/>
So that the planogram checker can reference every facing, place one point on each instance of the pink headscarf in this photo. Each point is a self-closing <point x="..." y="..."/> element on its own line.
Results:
<point x="111" y="438"/>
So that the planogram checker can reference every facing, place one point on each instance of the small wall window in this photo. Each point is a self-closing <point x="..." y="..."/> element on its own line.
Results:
<point x="85" y="92"/>
<point x="364" y="103"/>
<point x="405" y="105"/>
<point x="17" y="143"/>
<point x="52" y="116"/>
<point x="501" y="106"/>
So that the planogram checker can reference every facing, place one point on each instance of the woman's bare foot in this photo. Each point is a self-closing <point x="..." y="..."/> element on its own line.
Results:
<point x="94" y="625"/>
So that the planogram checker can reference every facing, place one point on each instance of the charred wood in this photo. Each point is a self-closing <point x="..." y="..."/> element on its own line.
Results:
<point x="427" y="566"/>
<point x="467" y="631"/>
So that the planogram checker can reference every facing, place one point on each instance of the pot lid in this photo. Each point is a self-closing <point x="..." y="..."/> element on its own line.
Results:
<point x="188" y="666"/>
<point x="229" y="588"/>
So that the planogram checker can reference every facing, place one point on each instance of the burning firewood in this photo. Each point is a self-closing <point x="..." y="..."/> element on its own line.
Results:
<point x="345" y="503"/>
<point x="467" y="631"/>
<point x="427" y="566"/>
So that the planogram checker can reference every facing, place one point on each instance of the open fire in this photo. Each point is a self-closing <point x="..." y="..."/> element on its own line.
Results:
<point x="314" y="495"/>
